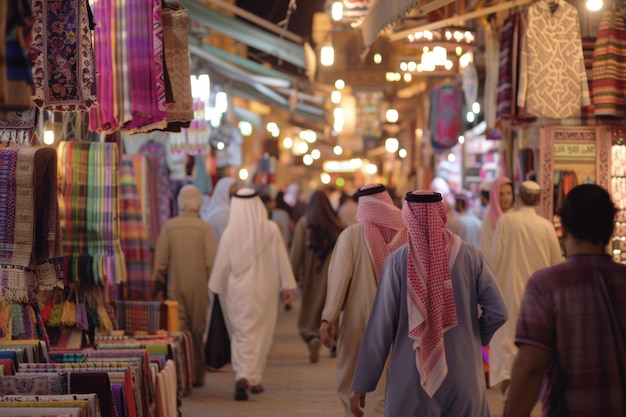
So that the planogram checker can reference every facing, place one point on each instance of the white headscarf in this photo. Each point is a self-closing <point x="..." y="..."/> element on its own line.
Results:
<point x="248" y="231"/>
<point x="216" y="213"/>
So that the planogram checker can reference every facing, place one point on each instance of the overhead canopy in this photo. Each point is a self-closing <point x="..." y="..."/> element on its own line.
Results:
<point x="253" y="81"/>
<point x="260" y="39"/>
<point x="382" y="14"/>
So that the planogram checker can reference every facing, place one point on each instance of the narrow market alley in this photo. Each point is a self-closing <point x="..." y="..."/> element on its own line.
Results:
<point x="293" y="387"/>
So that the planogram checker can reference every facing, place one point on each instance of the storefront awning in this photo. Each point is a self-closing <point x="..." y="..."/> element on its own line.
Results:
<point x="256" y="82"/>
<point x="382" y="14"/>
<point x="260" y="39"/>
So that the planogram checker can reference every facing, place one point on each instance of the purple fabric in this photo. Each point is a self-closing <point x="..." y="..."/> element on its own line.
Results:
<point x="120" y="399"/>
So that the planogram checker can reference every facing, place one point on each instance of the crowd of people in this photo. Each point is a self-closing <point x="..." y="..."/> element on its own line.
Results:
<point x="409" y="296"/>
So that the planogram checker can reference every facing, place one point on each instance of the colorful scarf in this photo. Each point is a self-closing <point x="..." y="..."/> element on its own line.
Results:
<point x="382" y="224"/>
<point x="495" y="207"/>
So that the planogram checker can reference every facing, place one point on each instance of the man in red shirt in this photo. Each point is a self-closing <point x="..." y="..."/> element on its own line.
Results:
<point x="571" y="325"/>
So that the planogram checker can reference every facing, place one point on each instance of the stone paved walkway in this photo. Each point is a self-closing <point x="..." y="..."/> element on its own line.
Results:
<point x="293" y="386"/>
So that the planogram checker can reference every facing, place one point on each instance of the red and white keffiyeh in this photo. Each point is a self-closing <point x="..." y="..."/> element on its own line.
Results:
<point x="382" y="225"/>
<point x="431" y="307"/>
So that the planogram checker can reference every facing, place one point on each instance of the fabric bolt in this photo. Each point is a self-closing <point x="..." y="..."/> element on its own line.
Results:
<point x="248" y="276"/>
<point x="120" y="400"/>
<point x="382" y="226"/>
<point x="94" y="383"/>
<point x="446" y="116"/>
<point x="473" y="286"/>
<point x="40" y="412"/>
<point x="51" y="402"/>
<point x="566" y="310"/>
<point x="553" y="79"/>
<point x="8" y="189"/>
<point x="43" y="384"/>
<point x="431" y="307"/>
<point x="523" y="243"/>
<point x="63" y="56"/>
<point x="138" y="316"/>
<point x="609" y="64"/>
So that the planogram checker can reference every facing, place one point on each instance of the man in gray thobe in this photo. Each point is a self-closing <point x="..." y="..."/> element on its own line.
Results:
<point x="437" y="303"/>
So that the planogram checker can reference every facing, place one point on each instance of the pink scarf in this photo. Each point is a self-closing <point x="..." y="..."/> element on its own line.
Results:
<point x="382" y="224"/>
<point x="495" y="208"/>
<point x="431" y="306"/>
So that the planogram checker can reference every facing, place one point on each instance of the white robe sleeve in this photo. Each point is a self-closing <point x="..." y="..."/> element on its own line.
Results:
<point x="340" y="270"/>
<point x="285" y="272"/>
<point x="381" y="326"/>
<point x="221" y="269"/>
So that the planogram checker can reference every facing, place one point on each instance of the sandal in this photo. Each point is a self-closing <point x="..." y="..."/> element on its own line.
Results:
<point x="241" y="390"/>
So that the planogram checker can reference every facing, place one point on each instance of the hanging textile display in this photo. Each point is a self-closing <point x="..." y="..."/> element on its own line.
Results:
<point x="63" y="57"/>
<point x="89" y="202"/>
<point x="16" y="78"/>
<point x="446" y="116"/>
<point x="553" y="80"/>
<point x="29" y="222"/>
<point x="161" y="197"/>
<point x="133" y="236"/>
<point x="511" y="36"/>
<point x="609" y="64"/>
<point x="177" y="71"/>
<point x="142" y="65"/>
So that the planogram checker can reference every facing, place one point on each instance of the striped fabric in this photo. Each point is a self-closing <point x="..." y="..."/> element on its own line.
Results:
<point x="90" y="217"/>
<point x="609" y="65"/>
<point x="130" y="66"/>
<point x="134" y="237"/>
<point x="158" y="152"/>
<point x="138" y="316"/>
<point x="511" y="37"/>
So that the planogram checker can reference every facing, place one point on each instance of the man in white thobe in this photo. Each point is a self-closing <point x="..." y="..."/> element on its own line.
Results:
<point x="523" y="243"/>
<point x="251" y="268"/>
<point x="355" y="268"/>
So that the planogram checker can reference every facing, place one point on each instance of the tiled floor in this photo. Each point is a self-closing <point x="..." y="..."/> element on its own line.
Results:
<point x="293" y="387"/>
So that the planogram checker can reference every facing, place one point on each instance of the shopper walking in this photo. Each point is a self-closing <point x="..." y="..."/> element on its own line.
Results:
<point x="313" y="241"/>
<point x="251" y="269"/>
<point x="436" y="305"/>
<point x="465" y="224"/>
<point x="523" y="243"/>
<point x="501" y="199"/>
<point x="353" y="274"/>
<point x="217" y="346"/>
<point x="572" y="320"/>
<point x="183" y="261"/>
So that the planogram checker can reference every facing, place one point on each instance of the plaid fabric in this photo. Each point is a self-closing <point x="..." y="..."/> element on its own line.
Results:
<point x="143" y="316"/>
<point x="90" y="213"/>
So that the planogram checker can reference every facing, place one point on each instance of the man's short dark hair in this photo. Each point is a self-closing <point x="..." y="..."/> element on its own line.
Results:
<point x="588" y="214"/>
